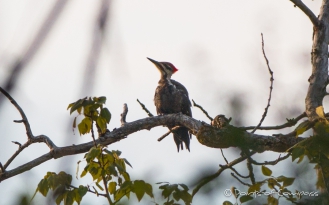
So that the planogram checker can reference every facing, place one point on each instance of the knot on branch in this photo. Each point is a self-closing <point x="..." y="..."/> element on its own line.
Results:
<point x="228" y="136"/>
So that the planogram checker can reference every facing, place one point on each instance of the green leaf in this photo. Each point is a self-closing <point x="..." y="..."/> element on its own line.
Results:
<point x="266" y="171"/>
<point x="99" y="186"/>
<point x="139" y="189"/>
<point x="184" y="187"/>
<point x="112" y="187"/>
<point x="101" y="122"/>
<point x="105" y="113"/>
<point x="302" y="127"/>
<point x="255" y="187"/>
<point x="126" y="161"/>
<point x="43" y="187"/>
<point x="101" y="100"/>
<point x="76" y="105"/>
<point x="60" y="198"/>
<point x="69" y="198"/>
<point x="80" y="192"/>
<point x="245" y="198"/>
<point x="297" y="152"/>
<point x="149" y="189"/>
<point x="227" y="203"/>
<point x="74" y="122"/>
<point x="168" y="189"/>
<point x="93" y="153"/>
<point x="84" y="126"/>
<point x="83" y="173"/>
<point x="70" y="105"/>
<point x="272" y="201"/>
<point x="288" y="181"/>
<point x="271" y="183"/>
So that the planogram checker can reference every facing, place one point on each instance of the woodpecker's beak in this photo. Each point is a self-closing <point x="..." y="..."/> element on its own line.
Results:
<point x="154" y="61"/>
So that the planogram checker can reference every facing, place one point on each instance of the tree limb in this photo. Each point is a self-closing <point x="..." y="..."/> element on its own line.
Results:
<point x="315" y="21"/>
<point x="319" y="57"/>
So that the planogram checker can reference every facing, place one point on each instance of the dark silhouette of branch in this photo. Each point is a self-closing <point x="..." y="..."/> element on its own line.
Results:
<point x="145" y="109"/>
<point x="290" y="123"/>
<point x="18" y="66"/>
<point x="207" y="135"/>
<point x="315" y="21"/>
<point x="124" y="114"/>
<point x="21" y="112"/>
<point x="208" y="179"/>
<point x="271" y="88"/>
<point x="203" y="110"/>
<point x="96" y="46"/>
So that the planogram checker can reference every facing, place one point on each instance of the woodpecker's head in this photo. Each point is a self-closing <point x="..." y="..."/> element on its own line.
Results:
<point x="166" y="69"/>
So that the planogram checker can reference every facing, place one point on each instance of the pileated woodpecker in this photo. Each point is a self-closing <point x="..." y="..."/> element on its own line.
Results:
<point x="172" y="97"/>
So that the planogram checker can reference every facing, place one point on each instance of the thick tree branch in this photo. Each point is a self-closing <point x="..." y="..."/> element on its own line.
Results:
<point x="319" y="78"/>
<point x="315" y="21"/>
<point x="206" y="134"/>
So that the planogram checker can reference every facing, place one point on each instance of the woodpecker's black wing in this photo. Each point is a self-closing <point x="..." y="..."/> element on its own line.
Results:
<point x="172" y="97"/>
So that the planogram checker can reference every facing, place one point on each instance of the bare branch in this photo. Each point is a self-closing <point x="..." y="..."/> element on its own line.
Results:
<point x="271" y="88"/>
<point x="290" y="123"/>
<point x="21" y="112"/>
<point x="315" y="21"/>
<point x="246" y="184"/>
<point x="145" y="109"/>
<point x="208" y="179"/>
<point x="203" y="110"/>
<point x="222" y="138"/>
<point x="15" y="142"/>
<point x="167" y="133"/>
<point x="319" y="58"/>
<point x="272" y="162"/>
<point x="124" y="114"/>
<point x="221" y="150"/>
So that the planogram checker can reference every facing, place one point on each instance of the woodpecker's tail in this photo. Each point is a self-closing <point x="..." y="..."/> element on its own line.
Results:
<point x="181" y="135"/>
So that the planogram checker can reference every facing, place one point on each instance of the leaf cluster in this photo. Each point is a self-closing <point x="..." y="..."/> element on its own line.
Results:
<point x="175" y="192"/>
<point x="60" y="184"/>
<point x="93" y="111"/>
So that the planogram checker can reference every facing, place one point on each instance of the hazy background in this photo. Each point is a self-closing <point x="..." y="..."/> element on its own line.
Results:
<point x="216" y="45"/>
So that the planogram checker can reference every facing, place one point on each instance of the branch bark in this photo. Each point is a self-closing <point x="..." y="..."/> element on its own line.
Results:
<point x="319" y="78"/>
<point x="207" y="135"/>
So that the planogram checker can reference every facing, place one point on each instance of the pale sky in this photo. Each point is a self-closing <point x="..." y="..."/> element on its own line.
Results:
<point x="216" y="45"/>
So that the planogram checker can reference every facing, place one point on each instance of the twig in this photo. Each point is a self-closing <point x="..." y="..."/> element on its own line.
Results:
<point x="274" y="162"/>
<point x="290" y="123"/>
<point x="271" y="88"/>
<point x="144" y="108"/>
<point x="201" y="108"/>
<point x="251" y="172"/>
<point x="124" y="114"/>
<point x="21" y="112"/>
<point x="167" y="133"/>
<point x="2" y="169"/>
<point x="89" y="190"/>
<point x="208" y="179"/>
<point x="246" y="184"/>
<point x="15" y="142"/>
<point x="221" y="150"/>
<point x="315" y="21"/>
